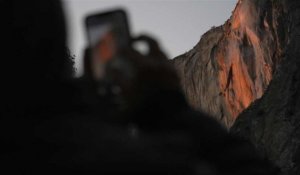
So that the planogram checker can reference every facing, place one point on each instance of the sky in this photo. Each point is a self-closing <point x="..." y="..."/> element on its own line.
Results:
<point x="176" y="24"/>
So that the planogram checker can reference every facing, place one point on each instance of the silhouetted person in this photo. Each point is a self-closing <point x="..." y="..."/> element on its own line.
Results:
<point x="50" y="125"/>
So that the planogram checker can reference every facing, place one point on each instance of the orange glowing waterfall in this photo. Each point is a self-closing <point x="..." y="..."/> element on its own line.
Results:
<point x="233" y="64"/>
<point x="234" y="76"/>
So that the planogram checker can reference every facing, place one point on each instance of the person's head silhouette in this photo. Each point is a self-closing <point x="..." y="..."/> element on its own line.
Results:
<point x="35" y="48"/>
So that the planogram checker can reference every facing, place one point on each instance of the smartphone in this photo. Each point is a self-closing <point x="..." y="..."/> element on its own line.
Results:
<point x="107" y="34"/>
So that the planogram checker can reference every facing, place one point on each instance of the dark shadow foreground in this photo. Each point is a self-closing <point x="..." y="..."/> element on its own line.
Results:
<point x="52" y="123"/>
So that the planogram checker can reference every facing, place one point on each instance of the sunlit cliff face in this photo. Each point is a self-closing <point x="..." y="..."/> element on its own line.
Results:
<point x="245" y="66"/>
<point x="232" y="65"/>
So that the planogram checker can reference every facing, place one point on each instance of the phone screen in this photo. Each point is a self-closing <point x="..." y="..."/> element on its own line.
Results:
<point x="108" y="33"/>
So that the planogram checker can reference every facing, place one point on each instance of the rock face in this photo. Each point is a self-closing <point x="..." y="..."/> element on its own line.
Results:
<point x="272" y="123"/>
<point x="233" y="64"/>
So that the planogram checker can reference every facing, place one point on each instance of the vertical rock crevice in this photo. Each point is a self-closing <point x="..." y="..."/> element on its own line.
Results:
<point x="233" y="64"/>
<point x="272" y="123"/>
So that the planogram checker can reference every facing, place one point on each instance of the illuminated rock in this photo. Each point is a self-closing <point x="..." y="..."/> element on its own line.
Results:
<point x="272" y="123"/>
<point x="233" y="64"/>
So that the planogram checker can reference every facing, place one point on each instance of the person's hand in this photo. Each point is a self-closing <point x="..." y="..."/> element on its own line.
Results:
<point x="133" y="77"/>
<point x="142" y="76"/>
<point x="155" y="51"/>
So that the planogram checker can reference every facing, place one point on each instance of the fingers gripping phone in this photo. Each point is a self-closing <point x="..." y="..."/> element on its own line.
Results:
<point x="107" y="34"/>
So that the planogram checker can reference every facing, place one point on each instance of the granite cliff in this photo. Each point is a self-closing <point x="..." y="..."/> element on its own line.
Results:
<point x="272" y="123"/>
<point x="233" y="64"/>
<point x="246" y="73"/>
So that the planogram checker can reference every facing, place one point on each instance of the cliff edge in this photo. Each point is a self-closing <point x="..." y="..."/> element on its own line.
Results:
<point x="233" y="64"/>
